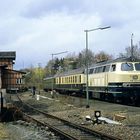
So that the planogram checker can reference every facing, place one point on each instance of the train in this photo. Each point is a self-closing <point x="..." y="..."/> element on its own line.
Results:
<point x="115" y="80"/>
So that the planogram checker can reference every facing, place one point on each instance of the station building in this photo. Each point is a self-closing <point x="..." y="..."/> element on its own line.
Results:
<point x="10" y="79"/>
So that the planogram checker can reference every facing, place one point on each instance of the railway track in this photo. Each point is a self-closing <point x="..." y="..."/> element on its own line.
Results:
<point x="106" y="100"/>
<point x="65" y="129"/>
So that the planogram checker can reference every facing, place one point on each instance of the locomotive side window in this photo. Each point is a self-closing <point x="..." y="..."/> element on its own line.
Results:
<point x="104" y="68"/>
<point x="96" y="70"/>
<point x="100" y="69"/>
<point x="127" y="67"/>
<point x="107" y="68"/>
<point x="113" y="67"/>
<point x="137" y="66"/>
<point x="91" y="71"/>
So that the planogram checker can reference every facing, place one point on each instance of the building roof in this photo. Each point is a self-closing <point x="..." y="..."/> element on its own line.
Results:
<point x="15" y="71"/>
<point x="9" y="55"/>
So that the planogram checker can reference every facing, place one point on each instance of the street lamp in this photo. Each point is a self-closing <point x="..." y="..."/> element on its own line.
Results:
<point x="39" y="81"/>
<point x="132" y="47"/>
<point x="86" y="31"/>
<point x="52" y="67"/>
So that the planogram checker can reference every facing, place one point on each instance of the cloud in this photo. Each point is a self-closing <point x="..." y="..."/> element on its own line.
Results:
<point x="52" y="34"/>
<point x="36" y="29"/>
<point x="41" y="7"/>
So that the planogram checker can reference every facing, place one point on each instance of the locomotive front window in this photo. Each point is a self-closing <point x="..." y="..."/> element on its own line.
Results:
<point x="127" y="67"/>
<point x="137" y="66"/>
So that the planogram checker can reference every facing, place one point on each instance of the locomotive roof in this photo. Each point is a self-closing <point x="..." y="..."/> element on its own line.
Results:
<point x="82" y="70"/>
<point x="122" y="59"/>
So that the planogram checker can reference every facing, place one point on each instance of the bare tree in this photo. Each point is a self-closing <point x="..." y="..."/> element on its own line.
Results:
<point x="82" y="58"/>
<point x="102" y="56"/>
<point x="128" y="52"/>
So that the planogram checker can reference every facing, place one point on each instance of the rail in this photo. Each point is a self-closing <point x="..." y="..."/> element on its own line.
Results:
<point x="64" y="128"/>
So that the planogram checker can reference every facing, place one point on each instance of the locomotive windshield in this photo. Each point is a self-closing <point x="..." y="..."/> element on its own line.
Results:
<point x="127" y="67"/>
<point x="137" y="66"/>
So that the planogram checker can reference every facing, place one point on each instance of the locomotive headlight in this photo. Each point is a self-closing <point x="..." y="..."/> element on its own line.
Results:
<point x="135" y="77"/>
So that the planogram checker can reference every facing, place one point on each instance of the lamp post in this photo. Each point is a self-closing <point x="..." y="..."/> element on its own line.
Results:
<point x="40" y="81"/>
<point x="86" y="31"/>
<point x="132" y="47"/>
<point x="52" y="67"/>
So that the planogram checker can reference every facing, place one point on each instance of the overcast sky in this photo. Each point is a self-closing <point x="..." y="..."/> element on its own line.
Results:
<point x="37" y="28"/>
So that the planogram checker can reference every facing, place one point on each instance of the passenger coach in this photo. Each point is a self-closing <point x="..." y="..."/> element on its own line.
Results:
<point x="67" y="82"/>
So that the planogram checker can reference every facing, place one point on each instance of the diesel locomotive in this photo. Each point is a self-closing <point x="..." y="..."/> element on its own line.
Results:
<point x="114" y="80"/>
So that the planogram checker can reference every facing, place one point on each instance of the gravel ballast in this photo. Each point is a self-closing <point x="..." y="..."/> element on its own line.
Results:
<point x="74" y="109"/>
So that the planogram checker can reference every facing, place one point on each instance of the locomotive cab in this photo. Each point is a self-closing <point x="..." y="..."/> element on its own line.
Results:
<point x="117" y="80"/>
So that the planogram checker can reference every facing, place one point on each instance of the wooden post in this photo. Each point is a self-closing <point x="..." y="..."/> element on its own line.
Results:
<point x="1" y="103"/>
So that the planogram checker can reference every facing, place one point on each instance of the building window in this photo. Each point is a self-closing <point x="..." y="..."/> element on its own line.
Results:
<point x="19" y="81"/>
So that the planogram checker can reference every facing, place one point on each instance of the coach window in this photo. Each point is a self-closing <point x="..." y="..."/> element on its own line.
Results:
<point x="59" y="80"/>
<point x="113" y="67"/>
<point x="71" y="79"/>
<point x="75" y="79"/>
<point x="80" y="79"/>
